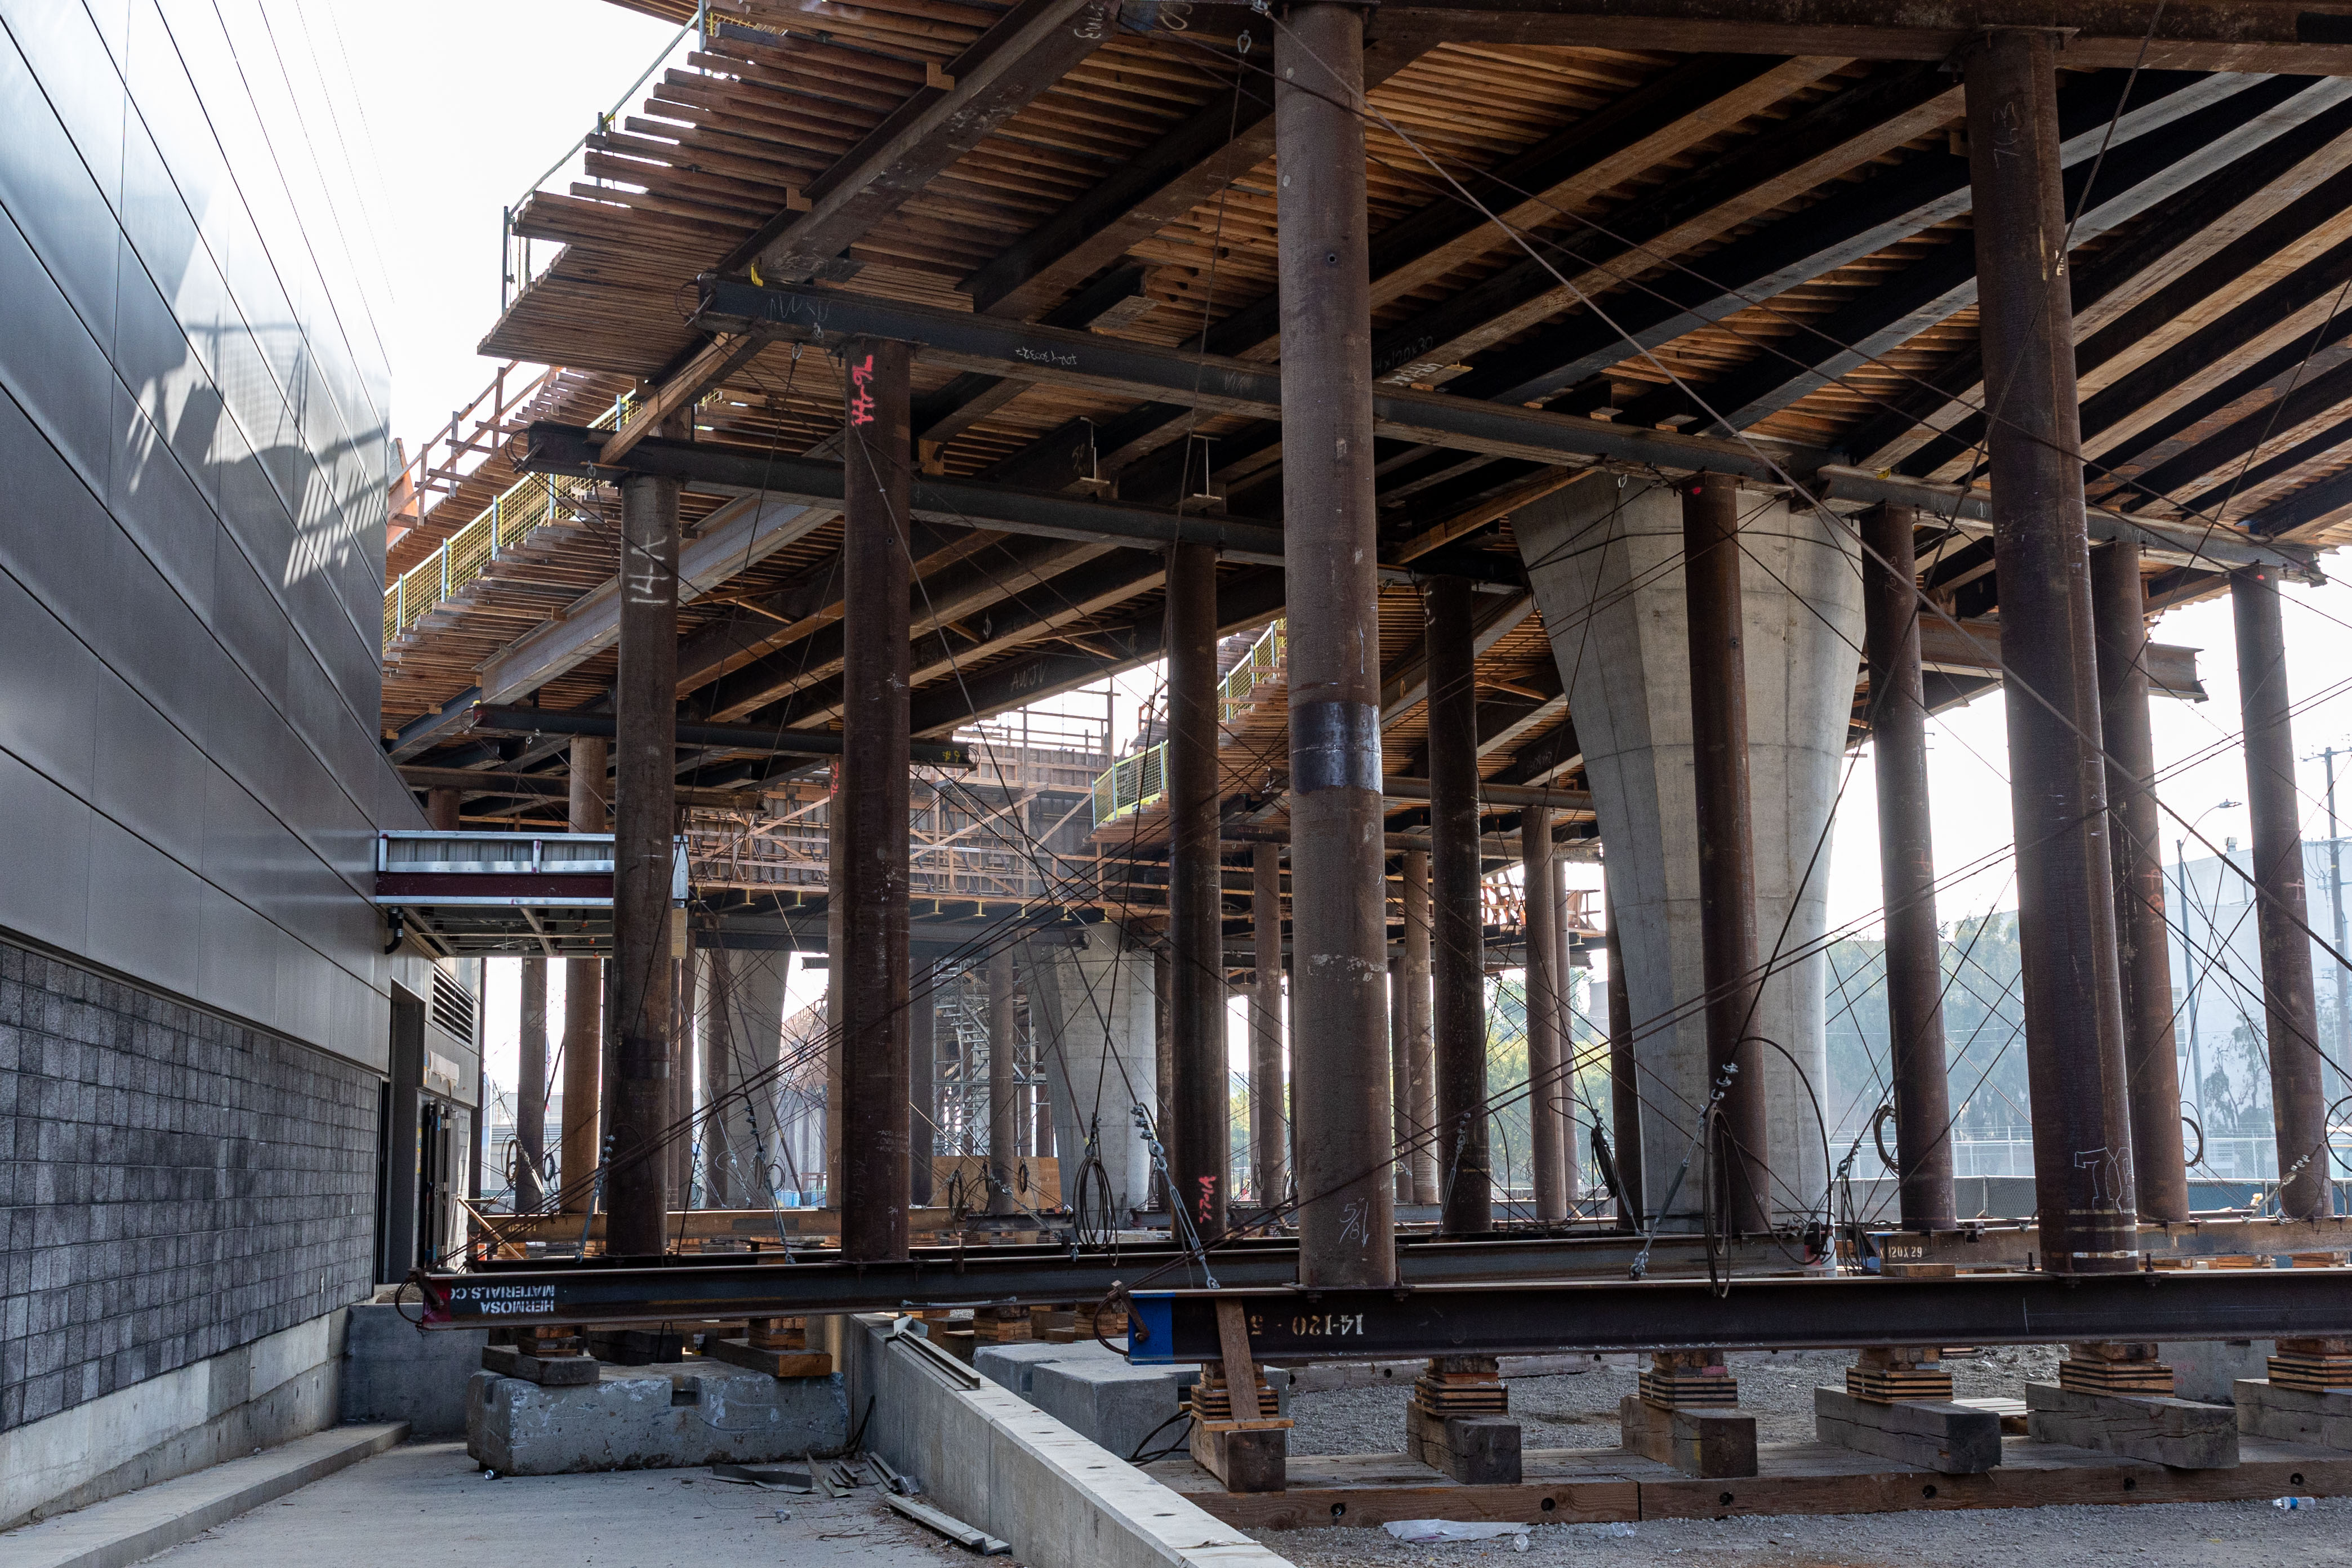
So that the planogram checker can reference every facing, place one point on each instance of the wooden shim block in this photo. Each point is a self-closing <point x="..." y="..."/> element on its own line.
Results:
<point x="2292" y="1414"/>
<point x="774" y="1362"/>
<point x="547" y="1371"/>
<point x="1705" y="1443"/>
<point x="1477" y="1450"/>
<point x="2011" y="1411"/>
<point x="2164" y="1431"/>
<point x="1245" y="1459"/>
<point x="1951" y="1439"/>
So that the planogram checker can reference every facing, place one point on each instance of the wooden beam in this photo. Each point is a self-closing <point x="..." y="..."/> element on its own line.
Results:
<point x="1027" y="51"/>
<point x="2248" y="35"/>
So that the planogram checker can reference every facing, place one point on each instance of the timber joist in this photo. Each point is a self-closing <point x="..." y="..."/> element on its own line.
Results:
<point x="1700" y="236"/>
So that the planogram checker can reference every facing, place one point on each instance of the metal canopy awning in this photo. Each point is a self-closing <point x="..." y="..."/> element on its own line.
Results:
<point x="481" y="893"/>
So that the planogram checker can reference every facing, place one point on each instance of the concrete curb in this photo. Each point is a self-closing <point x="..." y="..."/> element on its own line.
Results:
<point x="137" y="1525"/>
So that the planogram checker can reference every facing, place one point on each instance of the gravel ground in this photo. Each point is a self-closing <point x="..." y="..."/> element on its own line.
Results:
<point x="1580" y="1411"/>
<point x="2209" y="1535"/>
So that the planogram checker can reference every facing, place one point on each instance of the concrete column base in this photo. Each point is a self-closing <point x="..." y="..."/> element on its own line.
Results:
<point x="656" y="1419"/>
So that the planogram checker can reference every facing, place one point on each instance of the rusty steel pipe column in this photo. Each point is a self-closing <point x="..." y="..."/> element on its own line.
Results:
<point x="1203" y="1146"/>
<point x="2135" y="846"/>
<point x="1546" y="1091"/>
<point x="1906" y="870"/>
<point x="1003" y="1086"/>
<point x="922" y="1086"/>
<point x="1338" y="918"/>
<point x="2058" y="786"/>
<point x="1624" y="1091"/>
<point x="1269" y="1122"/>
<point x="445" y="810"/>
<point x="579" y="1135"/>
<point x="2298" y="1097"/>
<point x="645" y="794"/>
<point x="869" y="968"/>
<point x="530" y="1086"/>
<point x="1400" y="1078"/>
<point x="1457" y="967"/>
<point x="1421" y="1047"/>
<point x="1573" y="1179"/>
<point x="1727" y="847"/>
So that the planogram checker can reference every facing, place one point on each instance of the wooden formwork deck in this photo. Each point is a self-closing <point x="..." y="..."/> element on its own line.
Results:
<point x="1599" y="1486"/>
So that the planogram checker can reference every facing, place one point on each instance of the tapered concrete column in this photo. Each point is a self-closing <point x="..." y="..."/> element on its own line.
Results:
<point x="1727" y="849"/>
<point x="1606" y="569"/>
<point x="2298" y="1104"/>
<point x="1093" y="1009"/>
<point x="1195" y="901"/>
<point x="530" y="1086"/>
<point x="726" y="1150"/>
<point x="1457" y="966"/>
<point x="1269" y="1123"/>
<point x="1624" y="1085"/>
<point x="645" y="709"/>
<point x="1163" y="1039"/>
<point x="1004" y="1082"/>
<point x="1421" y="1045"/>
<point x="2084" y="1179"/>
<point x="1338" y="935"/>
<point x="869" y="968"/>
<point x="1401" y="1077"/>
<point x="583" y="1004"/>
<point x="1548" y="1089"/>
<point x="684" y="1072"/>
<point x="1906" y="871"/>
<point x="2143" y="940"/>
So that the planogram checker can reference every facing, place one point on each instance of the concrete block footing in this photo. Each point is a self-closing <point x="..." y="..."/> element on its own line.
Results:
<point x="2295" y="1414"/>
<point x="2180" y="1433"/>
<point x="651" y="1418"/>
<point x="1707" y="1444"/>
<point x="1951" y="1439"/>
<point x="1102" y="1398"/>
<point x="392" y="1372"/>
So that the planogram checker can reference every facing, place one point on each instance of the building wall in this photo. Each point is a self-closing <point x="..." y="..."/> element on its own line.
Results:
<point x="172" y="1185"/>
<point x="193" y="995"/>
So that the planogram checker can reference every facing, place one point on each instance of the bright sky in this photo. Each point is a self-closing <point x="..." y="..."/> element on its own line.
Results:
<point x="467" y="104"/>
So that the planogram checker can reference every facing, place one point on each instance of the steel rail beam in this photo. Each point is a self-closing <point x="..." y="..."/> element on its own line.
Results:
<point x="1328" y="1325"/>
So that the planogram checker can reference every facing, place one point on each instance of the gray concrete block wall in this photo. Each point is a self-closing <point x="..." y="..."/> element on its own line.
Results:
<point x="172" y="1185"/>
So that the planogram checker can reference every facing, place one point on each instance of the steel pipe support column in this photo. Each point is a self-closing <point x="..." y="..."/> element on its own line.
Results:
<point x="645" y="789"/>
<point x="1571" y="1168"/>
<point x="1400" y="1078"/>
<point x="1458" y="970"/>
<point x="1163" y="1069"/>
<point x="1548" y="1094"/>
<point x="683" y="1071"/>
<point x="922" y="1086"/>
<point x="2298" y="1100"/>
<point x="2058" y="788"/>
<point x="531" y="1088"/>
<point x="1726" y="850"/>
<point x="1906" y="871"/>
<point x="579" y="1137"/>
<point x="869" y="968"/>
<point x="1003" y="1086"/>
<point x="1624" y="1088"/>
<point x="445" y="810"/>
<point x="1337" y="916"/>
<point x="2135" y="846"/>
<point x="1195" y="903"/>
<point x="1269" y="1121"/>
<point x="1421" y="1047"/>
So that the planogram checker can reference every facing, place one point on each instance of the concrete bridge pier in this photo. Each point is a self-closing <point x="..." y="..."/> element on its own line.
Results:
<point x="1094" y="1000"/>
<point x="1604" y="556"/>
